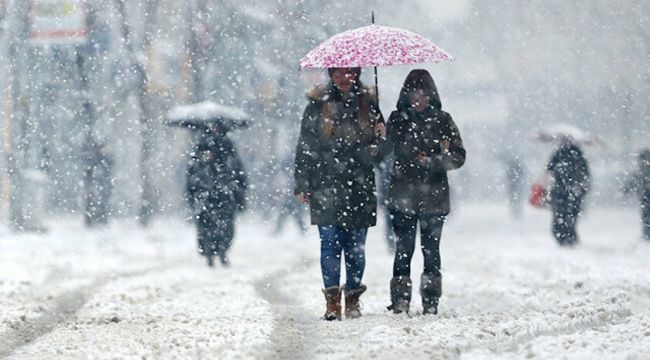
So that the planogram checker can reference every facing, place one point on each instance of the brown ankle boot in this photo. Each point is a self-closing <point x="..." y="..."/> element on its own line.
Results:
<point x="333" y="299"/>
<point x="352" y="307"/>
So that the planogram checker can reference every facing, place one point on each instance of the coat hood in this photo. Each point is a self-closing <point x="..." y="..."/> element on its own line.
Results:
<point x="416" y="80"/>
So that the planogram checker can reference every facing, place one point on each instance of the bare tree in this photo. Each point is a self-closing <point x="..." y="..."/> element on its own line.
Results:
<point x="137" y="59"/>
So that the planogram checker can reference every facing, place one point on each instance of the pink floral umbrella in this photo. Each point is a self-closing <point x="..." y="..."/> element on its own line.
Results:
<point x="374" y="45"/>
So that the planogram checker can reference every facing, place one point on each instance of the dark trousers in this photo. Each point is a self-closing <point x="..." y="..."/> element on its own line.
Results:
<point x="215" y="233"/>
<point x="405" y="226"/>
<point x="565" y="217"/>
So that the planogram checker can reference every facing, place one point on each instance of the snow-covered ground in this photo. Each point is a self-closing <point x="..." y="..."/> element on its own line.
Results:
<point x="509" y="292"/>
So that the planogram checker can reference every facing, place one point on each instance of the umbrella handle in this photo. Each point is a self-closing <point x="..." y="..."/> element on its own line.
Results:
<point x="376" y="87"/>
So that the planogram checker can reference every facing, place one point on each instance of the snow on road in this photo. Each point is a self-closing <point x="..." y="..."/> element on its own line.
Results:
<point x="509" y="292"/>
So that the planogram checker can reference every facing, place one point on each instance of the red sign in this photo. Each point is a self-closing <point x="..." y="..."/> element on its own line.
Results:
<point x="57" y="21"/>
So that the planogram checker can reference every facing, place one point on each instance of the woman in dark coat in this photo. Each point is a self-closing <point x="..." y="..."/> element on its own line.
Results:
<point x="571" y="181"/>
<point x="426" y="144"/>
<point x="216" y="187"/>
<point x="334" y="173"/>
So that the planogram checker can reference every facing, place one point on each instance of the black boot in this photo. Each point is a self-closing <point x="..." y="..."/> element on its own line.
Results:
<point x="400" y="294"/>
<point x="431" y="290"/>
<point x="210" y="261"/>
<point x="223" y="258"/>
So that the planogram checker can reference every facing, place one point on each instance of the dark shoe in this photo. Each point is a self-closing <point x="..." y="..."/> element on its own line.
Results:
<point x="400" y="294"/>
<point x="333" y="303"/>
<point x="210" y="261"/>
<point x="430" y="308"/>
<point x="431" y="290"/>
<point x="352" y="306"/>
<point x="224" y="260"/>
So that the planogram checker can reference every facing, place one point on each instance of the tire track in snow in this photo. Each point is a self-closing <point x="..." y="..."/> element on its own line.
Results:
<point x="64" y="307"/>
<point x="510" y="343"/>
<point x="291" y="336"/>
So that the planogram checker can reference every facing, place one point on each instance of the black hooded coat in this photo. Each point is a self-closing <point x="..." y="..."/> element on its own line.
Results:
<point x="417" y="187"/>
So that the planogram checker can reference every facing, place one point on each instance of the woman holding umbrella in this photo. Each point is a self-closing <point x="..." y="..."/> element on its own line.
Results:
<point x="426" y="145"/>
<point x="334" y="172"/>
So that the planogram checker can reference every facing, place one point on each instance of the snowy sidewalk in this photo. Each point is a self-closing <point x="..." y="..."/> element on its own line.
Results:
<point x="509" y="292"/>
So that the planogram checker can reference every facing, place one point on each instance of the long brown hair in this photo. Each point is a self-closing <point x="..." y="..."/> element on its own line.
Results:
<point x="364" y="98"/>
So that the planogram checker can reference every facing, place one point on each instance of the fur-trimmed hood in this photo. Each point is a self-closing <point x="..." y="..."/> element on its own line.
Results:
<point x="325" y="92"/>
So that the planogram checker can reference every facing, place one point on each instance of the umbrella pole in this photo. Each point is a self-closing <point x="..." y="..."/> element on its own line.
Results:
<point x="376" y="86"/>
<point x="372" y="19"/>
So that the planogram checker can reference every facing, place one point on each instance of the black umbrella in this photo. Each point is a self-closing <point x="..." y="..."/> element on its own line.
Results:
<point x="563" y="132"/>
<point x="206" y="114"/>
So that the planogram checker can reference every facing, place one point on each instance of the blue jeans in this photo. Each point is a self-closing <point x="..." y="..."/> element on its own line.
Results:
<point x="352" y="243"/>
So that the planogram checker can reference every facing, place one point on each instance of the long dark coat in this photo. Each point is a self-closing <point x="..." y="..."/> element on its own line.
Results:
<point x="417" y="188"/>
<point x="336" y="171"/>
<point x="217" y="187"/>
<point x="571" y="175"/>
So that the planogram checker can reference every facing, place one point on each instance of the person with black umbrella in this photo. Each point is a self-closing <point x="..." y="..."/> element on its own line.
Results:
<point x="216" y="188"/>
<point x="571" y="181"/>
<point x="216" y="181"/>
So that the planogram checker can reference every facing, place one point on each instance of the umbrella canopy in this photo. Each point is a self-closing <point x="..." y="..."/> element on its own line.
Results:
<point x="564" y="132"/>
<point x="374" y="45"/>
<point x="203" y="114"/>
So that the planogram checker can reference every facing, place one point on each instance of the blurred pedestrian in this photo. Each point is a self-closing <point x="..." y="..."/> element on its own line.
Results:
<point x="515" y="173"/>
<point x="571" y="181"/>
<point x="334" y="173"/>
<point x="639" y="183"/>
<point x="290" y="207"/>
<point x="98" y="183"/>
<point x="216" y="188"/>
<point x="426" y="144"/>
